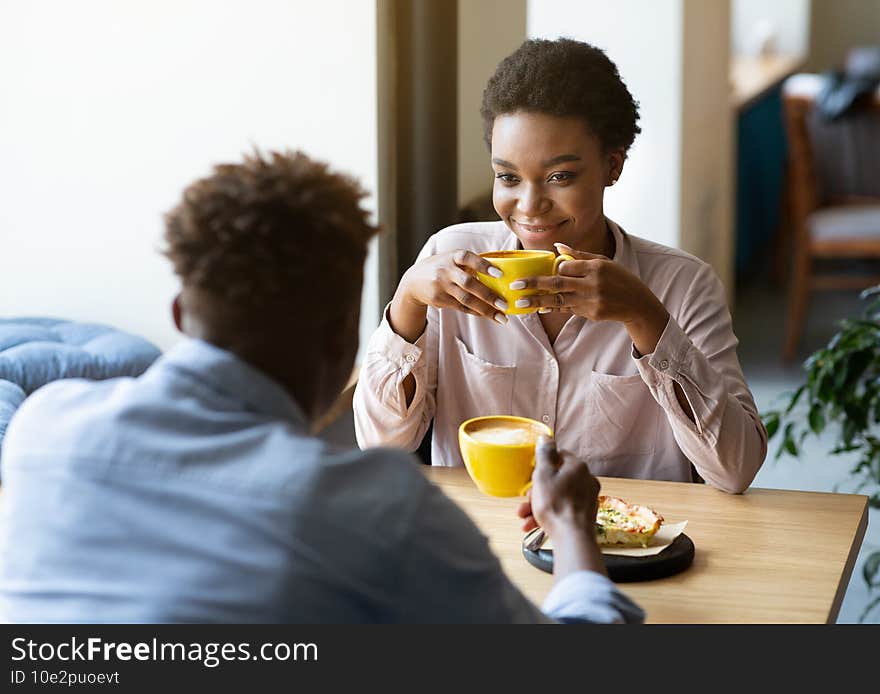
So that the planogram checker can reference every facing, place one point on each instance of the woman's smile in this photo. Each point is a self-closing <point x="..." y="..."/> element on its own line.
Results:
<point x="541" y="232"/>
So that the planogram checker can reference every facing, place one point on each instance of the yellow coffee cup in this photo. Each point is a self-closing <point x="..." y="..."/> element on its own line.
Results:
<point x="499" y="452"/>
<point x="517" y="265"/>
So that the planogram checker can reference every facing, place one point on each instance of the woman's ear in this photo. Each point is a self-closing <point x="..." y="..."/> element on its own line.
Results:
<point x="177" y="313"/>
<point x="616" y="158"/>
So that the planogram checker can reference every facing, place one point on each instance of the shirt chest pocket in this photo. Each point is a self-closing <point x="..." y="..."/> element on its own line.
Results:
<point x="485" y="388"/>
<point x="621" y="418"/>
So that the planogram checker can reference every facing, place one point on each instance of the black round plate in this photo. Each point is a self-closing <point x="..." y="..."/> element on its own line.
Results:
<point x="672" y="560"/>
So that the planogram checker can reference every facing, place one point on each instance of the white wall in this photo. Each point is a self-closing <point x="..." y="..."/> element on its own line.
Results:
<point x="787" y="20"/>
<point x="108" y="109"/>
<point x="644" y="39"/>
<point x="488" y="31"/>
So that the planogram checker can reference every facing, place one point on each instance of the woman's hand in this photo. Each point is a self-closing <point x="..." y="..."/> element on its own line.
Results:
<point x="597" y="288"/>
<point x="445" y="280"/>
<point x="448" y="280"/>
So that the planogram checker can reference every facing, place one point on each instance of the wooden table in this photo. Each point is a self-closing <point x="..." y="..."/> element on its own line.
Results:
<point x="763" y="556"/>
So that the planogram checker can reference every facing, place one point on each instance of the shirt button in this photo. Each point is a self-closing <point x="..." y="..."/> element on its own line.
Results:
<point x="664" y="364"/>
<point x="410" y="358"/>
<point x="546" y="419"/>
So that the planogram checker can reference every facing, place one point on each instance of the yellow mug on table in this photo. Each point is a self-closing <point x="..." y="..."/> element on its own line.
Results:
<point x="499" y="452"/>
<point x="517" y="265"/>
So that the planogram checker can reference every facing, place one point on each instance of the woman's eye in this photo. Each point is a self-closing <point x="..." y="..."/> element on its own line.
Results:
<point x="561" y="176"/>
<point x="507" y="178"/>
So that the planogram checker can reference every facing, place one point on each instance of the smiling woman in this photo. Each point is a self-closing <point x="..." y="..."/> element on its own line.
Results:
<point x="628" y="354"/>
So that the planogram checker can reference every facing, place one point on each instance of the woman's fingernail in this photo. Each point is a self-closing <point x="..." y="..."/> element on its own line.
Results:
<point x="522" y="303"/>
<point x="501" y="318"/>
<point x="501" y="304"/>
<point x="518" y="284"/>
<point x="495" y="272"/>
<point x="544" y="310"/>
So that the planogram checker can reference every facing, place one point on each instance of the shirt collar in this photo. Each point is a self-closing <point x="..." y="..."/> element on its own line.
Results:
<point x="224" y="371"/>
<point x="623" y="250"/>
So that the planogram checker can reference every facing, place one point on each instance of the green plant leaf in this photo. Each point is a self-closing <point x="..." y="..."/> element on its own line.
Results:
<point x="842" y="387"/>
<point x="859" y="467"/>
<point x="771" y="422"/>
<point x="857" y="365"/>
<point x="817" y="419"/>
<point x="867" y="610"/>
<point x="841" y="374"/>
<point x="871" y="570"/>
<point x="825" y="384"/>
<point x="849" y="431"/>
<point x="788" y="440"/>
<point x="795" y="398"/>
<point x="873" y="308"/>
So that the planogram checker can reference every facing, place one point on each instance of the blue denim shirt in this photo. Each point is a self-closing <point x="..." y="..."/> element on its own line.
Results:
<point x="195" y="493"/>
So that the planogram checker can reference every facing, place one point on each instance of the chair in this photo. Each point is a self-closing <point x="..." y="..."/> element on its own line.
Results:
<point x="833" y="193"/>
<point x="37" y="351"/>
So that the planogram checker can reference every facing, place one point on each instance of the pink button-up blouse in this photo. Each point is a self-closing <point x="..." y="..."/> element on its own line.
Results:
<point x="611" y="407"/>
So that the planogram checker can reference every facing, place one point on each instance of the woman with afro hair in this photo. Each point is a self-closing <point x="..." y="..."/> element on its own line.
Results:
<point x="630" y="357"/>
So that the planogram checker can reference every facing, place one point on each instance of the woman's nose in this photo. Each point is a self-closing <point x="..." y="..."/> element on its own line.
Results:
<point x="532" y="202"/>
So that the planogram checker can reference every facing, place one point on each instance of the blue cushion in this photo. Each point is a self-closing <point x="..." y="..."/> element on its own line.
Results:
<point x="11" y="396"/>
<point x="36" y="351"/>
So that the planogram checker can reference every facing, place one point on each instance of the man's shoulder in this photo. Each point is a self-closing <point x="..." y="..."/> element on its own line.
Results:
<point x="68" y="396"/>
<point x="57" y="410"/>
<point x="473" y="236"/>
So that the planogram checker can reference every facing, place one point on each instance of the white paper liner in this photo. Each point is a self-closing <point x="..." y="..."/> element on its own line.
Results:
<point x="661" y="540"/>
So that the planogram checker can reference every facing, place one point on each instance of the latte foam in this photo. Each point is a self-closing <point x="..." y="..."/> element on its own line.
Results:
<point x="505" y="435"/>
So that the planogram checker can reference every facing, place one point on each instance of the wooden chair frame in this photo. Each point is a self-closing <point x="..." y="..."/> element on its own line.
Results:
<point x="804" y="198"/>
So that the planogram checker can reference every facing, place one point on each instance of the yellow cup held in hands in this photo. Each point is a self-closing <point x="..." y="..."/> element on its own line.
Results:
<point x="518" y="265"/>
<point x="499" y="452"/>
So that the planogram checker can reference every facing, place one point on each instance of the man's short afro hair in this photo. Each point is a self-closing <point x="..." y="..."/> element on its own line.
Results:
<point x="269" y="231"/>
<point x="563" y="78"/>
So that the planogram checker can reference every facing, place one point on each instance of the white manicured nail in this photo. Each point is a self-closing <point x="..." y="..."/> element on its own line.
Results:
<point x="522" y="303"/>
<point x="544" y="310"/>
<point x="495" y="272"/>
<point x="518" y="284"/>
<point x="501" y="304"/>
<point x="501" y="318"/>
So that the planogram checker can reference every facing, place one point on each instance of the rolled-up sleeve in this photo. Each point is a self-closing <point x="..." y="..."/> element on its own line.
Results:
<point x="727" y="441"/>
<point x="381" y="414"/>
<point x="586" y="596"/>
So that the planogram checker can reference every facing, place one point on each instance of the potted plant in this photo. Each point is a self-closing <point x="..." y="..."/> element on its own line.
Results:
<point x="842" y="390"/>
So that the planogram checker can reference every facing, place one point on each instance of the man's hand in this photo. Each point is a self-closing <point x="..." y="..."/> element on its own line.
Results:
<point x="564" y="501"/>
<point x="564" y="493"/>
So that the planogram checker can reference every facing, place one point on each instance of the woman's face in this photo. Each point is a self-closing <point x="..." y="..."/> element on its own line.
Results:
<point x="550" y="176"/>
